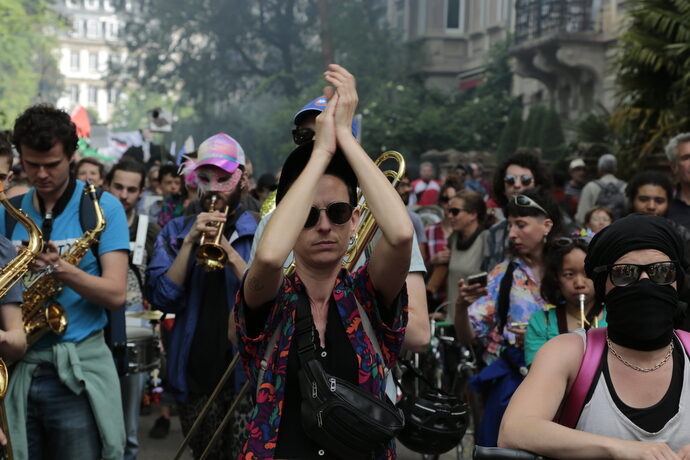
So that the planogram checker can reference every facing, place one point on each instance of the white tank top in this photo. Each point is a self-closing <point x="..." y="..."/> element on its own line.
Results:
<point x="601" y="415"/>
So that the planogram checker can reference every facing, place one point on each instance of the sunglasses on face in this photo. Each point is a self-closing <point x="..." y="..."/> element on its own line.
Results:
<point x="621" y="275"/>
<point x="566" y="242"/>
<point x="511" y="179"/>
<point x="302" y="135"/>
<point x="455" y="211"/>
<point x="339" y="213"/>
<point x="526" y="202"/>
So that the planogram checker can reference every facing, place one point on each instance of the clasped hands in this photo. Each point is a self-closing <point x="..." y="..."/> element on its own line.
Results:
<point x="334" y="124"/>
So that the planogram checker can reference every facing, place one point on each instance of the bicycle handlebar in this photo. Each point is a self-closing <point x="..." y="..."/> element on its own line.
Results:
<point x="498" y="453"/>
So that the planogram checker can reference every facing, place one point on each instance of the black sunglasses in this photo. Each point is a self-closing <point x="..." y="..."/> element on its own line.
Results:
<point x="566" y="242"/>
<point x="511" y="179"/>
<point x="338" y="213"/>
<point x="454" y="211"/>
<point x="302" y="135"/>
<point x="622" y="275"/>
<point x="526" y="202"/>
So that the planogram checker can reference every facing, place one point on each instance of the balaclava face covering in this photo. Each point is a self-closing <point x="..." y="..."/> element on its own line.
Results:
<point x="639" y="316"/>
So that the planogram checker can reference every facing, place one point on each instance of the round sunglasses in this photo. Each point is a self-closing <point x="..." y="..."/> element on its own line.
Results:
<point x="511" y="179"/>
<point x="338" y="212"/>
<point x="621" y="275"/>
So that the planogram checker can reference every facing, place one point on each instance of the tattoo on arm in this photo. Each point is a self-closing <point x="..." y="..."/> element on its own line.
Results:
<point x="255" y="284"/>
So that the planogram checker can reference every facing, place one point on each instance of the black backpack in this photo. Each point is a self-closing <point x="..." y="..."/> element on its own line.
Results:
<point x="611" y="197"/>
<point x="116" y="330"/>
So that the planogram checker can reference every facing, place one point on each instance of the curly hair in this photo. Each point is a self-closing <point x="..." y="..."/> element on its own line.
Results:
<point x="525" y="160"/>
<point x="648" y="178"/>
<point x="42" y="126"/>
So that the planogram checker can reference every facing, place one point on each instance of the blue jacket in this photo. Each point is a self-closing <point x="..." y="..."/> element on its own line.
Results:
<point x="185" y="301"/>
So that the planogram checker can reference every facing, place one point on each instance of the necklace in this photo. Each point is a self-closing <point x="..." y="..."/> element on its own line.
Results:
<point x="635" y="367"/>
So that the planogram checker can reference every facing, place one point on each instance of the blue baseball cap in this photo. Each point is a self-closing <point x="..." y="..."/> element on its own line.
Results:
<point x="315" y="107"/>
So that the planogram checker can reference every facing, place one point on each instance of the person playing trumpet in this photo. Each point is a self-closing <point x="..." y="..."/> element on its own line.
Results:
<point x="199" y="350"/>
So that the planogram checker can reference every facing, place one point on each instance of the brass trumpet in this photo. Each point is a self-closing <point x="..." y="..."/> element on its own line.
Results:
<point x="210" y="254"/>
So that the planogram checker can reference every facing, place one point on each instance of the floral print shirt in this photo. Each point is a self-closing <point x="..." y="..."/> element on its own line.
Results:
<point x="525" y="299"/>
<point x="261" y="435"/>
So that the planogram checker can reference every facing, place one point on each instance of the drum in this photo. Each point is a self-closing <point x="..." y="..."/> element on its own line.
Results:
<point x="143" y="351"/>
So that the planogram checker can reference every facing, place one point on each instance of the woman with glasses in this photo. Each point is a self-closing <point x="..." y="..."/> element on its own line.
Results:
<point x="619" y="391"/>
<point x="568" y="291"/>
<point x="315" y="217"/>
<point x="519" y="172"/>
<point x="496" y="316"/>
<point x="467" y="214"/>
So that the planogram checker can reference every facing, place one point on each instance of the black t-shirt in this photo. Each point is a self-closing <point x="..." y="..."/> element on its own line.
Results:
<point x="338" y="359"/>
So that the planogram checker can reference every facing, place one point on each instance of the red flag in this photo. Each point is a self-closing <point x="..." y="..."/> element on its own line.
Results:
<point x="80" y="117"/>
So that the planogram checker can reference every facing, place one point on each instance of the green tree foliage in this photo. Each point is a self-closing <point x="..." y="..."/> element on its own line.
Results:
<point x="551" y="139"/>
<point x="653" y="70"/>
<point x="245" y="68"/>
<point x="25" y="53"/>
<point x="510" y="135"/>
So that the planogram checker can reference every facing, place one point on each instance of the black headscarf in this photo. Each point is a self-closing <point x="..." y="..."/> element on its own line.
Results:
<point x="633" y="232"/>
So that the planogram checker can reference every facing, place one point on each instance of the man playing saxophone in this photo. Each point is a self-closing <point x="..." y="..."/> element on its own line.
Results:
<point x="61" y="400"/>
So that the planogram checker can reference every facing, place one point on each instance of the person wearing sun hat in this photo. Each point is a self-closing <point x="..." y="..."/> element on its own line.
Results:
<point x="199" y="349"/>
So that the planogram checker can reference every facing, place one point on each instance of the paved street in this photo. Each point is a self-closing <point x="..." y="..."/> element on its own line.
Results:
<point x="164" y="449"/>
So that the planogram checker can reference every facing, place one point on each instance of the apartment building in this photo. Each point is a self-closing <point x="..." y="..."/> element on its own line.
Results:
<point x="563" y="52"/>
<point x="454" y="35"/>
<point x="86" y="50"/>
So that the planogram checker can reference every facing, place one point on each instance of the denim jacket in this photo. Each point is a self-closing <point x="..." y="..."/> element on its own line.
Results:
<point x="185" y="301"/>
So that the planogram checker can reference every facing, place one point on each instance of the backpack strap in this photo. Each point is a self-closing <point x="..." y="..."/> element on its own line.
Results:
<point x="503" y="301"/>
<point x="87" y="216"/>
<point x="267" y="356"/>
<point x="575" y="401"/>
<point x="11" y="222"/>
<point x="684" y="338"/>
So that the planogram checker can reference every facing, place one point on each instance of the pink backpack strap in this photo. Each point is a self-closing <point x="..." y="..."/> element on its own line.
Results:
<point x="575" y="401"/>
<point x="684" y="338"/>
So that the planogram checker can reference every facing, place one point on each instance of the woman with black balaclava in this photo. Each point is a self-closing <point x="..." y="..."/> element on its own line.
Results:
<point x="631" y="403"/>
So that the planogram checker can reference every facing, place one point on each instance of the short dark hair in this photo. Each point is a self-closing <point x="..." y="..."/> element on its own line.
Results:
<point x="473" y="202"/>
<point x="128" y="165"/>
<point x="297" y="161"/>
<point x="648" y="178"/>
<point x="589" y="213"/>
<point x="553" y="264"/>
<point x="543" y="199"/>
<point x="41" y="126"/>
<point x="91" y="161"/>
<point x="168" y="169"/>
<point x="525" y="160"/>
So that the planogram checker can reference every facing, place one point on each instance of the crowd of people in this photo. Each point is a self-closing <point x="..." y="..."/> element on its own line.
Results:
<point x="514" y="262"/>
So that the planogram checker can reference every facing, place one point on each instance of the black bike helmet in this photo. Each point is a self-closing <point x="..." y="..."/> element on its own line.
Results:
<point x="434" y="422"/>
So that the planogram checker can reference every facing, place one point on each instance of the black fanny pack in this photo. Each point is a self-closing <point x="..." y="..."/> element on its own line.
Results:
<point x="337" y="414"/>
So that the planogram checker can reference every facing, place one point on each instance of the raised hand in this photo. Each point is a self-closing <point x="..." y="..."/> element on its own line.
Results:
<point x="324" y="139"/>
<point x="345" y="86"/>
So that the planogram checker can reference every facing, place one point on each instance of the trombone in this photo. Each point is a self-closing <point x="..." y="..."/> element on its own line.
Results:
<point x="365" y="232"/>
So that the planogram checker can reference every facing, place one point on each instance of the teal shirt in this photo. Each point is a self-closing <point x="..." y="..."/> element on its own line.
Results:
<point x="540" y="331"/>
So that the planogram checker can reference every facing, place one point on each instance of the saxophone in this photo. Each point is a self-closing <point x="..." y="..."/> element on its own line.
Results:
<point x="41" y="313"/>
<point x="10" y="274"/>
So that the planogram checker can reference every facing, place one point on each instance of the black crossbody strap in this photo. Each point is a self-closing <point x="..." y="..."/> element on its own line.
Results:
<point x="304" y="330"/>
